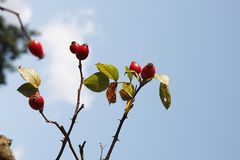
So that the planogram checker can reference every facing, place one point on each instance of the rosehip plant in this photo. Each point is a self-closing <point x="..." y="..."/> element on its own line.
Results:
<point x="30" y="88"/>
<point x="105" y="79"/>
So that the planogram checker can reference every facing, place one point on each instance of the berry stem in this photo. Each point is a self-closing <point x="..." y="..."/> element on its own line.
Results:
<point x="19" y="19"/>
<point x="124" y="117"/>
<point x="80" y="86"/>
<point x="77" y="110"/>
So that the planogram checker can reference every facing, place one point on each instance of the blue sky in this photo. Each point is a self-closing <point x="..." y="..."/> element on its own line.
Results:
<point x="195" y="42"/>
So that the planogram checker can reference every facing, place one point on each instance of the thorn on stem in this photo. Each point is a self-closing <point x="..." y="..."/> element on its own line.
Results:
<point x="116" y="138"/>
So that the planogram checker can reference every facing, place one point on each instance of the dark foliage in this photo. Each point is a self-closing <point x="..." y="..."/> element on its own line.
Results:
<point x="13" y="44"/>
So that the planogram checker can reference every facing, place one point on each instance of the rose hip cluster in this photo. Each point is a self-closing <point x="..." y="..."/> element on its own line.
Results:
<point x="148" y="70"/>
<point x="81" y="51"/>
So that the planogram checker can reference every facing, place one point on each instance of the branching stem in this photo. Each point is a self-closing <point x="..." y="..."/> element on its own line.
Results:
<point x="101" y="153"/>
<point x="62" y="129"/>
<point x="19" y="19"/>
<point x="81" y="150"/>
<point x="77" y="110"/>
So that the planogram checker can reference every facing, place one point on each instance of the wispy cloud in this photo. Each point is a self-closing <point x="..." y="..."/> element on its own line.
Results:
<point x="19" y="6"/>
<point x="62" y="73"/>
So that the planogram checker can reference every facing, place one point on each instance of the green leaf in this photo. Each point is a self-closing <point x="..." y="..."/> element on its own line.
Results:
<point x="165" y="95"/>
<point x="162" y="78"/>
<point x="109" y="70"/>
<point x="30" y="76"/>
<point x="97" y="82"/>
<point x="27" y="89"/>
<point x="127" y="91"/>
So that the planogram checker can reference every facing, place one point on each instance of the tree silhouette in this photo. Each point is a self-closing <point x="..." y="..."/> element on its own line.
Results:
<point x="12" y="45"/>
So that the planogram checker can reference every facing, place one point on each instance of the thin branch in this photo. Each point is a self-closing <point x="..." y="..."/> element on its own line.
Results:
<point x="81" y="150"/>
<point x="115" y="137"/>
<point x="124" y="117"/>
<point x="102" y="148"/>
<point x="19" y="19"/>
<point x="61" y="128"/>
<point x="80" y="86"/>
<point x="77" y="110"/>
<point x="65" y="139"/>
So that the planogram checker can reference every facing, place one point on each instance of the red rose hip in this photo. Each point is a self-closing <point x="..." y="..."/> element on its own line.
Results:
<point x="82" y="52"/>
<point x="134" y="66"/>
<point x="36" y="101"/>
<point x="148" y="71"/>
<point x="74" y="47"/>
<point x="35" y="48"/>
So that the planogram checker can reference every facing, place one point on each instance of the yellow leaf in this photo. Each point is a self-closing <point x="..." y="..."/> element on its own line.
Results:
<point x="127" y="91"/>
<point x="30" y="76"/>
<point x="163" y="78"/>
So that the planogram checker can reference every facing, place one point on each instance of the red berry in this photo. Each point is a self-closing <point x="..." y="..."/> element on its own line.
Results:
<point x="148" y="71"/>
<point x="74" y="47"/>
<point x="82" y="52"/>
<point x="134" y="66"/>
<point x="35" y="48"/>
<point x="36" y="101"/>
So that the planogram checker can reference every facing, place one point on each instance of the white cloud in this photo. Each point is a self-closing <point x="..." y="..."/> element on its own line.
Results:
<point x="62" y="73"/>
<point x="19" y="152"/>
<point x="19" y="6"/>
